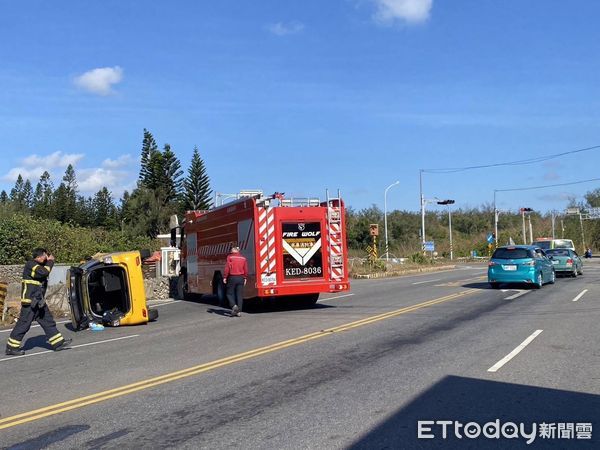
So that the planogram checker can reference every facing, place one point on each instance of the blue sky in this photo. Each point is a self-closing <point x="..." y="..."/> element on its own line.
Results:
<point x="300" y="96"/>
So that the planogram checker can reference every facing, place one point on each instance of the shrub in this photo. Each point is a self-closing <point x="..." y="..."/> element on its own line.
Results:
<point x="19" y="234"/>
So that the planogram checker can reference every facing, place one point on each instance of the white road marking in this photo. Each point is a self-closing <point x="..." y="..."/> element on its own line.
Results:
<point x="581" y="294"/>
<point x="517" y="295"/>
<point x="170" y="302"/>
<point x="34" y="326"/>
<point x="333" y="298"/>
<point x="72" y="346"/>
<point x="427" y="281"/>
<point x="515" y="352"/>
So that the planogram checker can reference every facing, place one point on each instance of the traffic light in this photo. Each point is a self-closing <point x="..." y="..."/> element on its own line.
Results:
<point x="374" y="229"/>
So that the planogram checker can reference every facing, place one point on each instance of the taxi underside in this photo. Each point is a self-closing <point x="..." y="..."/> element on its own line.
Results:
<point x="107" y="290"/>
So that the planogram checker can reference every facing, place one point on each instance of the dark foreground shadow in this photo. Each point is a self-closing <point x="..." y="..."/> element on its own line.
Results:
<point x="473" y="400"/>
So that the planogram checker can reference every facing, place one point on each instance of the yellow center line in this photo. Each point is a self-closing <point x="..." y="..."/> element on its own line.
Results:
<point x="69" y="405"/>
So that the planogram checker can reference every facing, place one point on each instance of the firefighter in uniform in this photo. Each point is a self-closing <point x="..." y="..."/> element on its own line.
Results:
<point x="236" y="273"/>
<point x="33" y="305"/>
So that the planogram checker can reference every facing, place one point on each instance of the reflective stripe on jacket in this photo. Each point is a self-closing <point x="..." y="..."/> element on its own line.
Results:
<point x="35" y="282"/>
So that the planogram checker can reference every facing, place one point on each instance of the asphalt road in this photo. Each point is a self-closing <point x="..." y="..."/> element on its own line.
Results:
<point x="358" y="371"/>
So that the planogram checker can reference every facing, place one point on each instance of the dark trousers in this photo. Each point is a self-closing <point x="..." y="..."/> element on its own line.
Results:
<point x="235" y="291"/>
<point x="43" y="316"/>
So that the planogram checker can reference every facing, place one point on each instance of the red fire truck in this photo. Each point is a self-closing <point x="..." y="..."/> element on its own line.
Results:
<point x="296" y="248"/>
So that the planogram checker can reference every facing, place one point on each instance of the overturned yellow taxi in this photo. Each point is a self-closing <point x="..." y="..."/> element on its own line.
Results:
<point x="108" y="289"/>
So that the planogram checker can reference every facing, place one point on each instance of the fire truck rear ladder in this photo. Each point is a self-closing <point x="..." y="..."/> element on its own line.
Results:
<point x="334" y="237"/>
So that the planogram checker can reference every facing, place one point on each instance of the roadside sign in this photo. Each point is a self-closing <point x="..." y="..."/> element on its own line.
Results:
<point x="429" y="246"/>
<point x="490" y="238"/>
<point x="374" y="229"/>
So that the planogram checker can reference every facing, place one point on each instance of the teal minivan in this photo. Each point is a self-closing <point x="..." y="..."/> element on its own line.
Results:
<point x="520" y="264"/>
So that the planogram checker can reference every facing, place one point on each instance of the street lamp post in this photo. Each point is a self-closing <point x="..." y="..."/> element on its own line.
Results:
<point x="387" y="253"/>
<point x="448" y="203"/>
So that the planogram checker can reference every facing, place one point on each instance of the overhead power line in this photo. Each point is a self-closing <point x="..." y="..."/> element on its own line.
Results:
<point x="512" y="163"/>
<point x="547" y="185"/>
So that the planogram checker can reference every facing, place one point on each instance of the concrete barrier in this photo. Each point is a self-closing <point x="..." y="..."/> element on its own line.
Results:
<point x="399" y="273"/>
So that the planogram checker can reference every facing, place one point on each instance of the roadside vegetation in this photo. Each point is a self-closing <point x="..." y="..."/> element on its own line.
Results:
<point x="74" y="226"/>
<point x="470" y="228"/>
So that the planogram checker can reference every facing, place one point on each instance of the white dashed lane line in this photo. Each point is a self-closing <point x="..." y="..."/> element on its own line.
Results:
<point x="515" y="352"/>
<point x="581" y="294"/>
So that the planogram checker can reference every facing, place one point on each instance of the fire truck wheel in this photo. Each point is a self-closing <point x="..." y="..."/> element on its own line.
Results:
<point x="182" y="293"/>
<point x="219" y="291"/>
<point x="308" y="300"/>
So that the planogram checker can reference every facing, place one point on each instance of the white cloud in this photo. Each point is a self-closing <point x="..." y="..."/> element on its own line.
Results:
<point x="56" y="159"/>
<point x="117" y="174"/>
<point x="120" y="162"/>
<point x="283" y="29"/>
<point x="410" y="11"/>
<point x="101" y="80"/>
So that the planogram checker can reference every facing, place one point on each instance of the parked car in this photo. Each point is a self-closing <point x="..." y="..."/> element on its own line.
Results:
<point x="566" y="261"/>
<point x="520" y="264"/>
<point x="108" y="289"/>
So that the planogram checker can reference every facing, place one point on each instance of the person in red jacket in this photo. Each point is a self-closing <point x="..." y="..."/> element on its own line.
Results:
<point x="236" y="273"/>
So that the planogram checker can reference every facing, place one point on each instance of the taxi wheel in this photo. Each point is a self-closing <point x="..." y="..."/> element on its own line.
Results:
<point x="574" y="274"/>
<point x="553" y="277"/>
<point x="539" y="281"/>
<point x="495" y="285"/>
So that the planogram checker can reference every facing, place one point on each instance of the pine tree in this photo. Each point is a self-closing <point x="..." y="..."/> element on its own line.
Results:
<point x="104" y="209"/>
<point x="3" y="198"/>
<point x="42" y="199"/>
<point x="197" y="192"/>
<point x="149" y="148"/>
<point x="70" y="184"/>
<point x="173" y="181"/>
<point x="27" y="196"/>
<point x="16" y="192"/>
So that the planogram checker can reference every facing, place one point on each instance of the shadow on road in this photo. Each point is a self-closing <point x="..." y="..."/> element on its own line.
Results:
<point x="255" y="305"/>
<point x="36" y="341"/>
<point x="481" y="401"/>
<point x="510" y="286"/>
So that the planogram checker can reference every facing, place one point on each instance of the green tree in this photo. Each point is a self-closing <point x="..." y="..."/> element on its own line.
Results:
<point x="145" y="214"/>
<point x="3" y="198"/>
<point x="16" y="193"/>
<point x="104" y="210"/>
<point x="27" y="195"/>
<point x="172" y="182"/>
<point x="197" y="192"/>
<point x="65" y="198"/>
<point x="42" y="198"/>
<point x="149" y="148"/>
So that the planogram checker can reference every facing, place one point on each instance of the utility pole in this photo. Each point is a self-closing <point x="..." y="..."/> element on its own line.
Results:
<point x="523" y="216"/>
<point x="582" y="234"/>
<point x="448" y="203"/>
<point x="387" y="250"/>
<point x="553" y="221"/>
<point x="422" y="199"/>
<point x="530" y="229"/>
